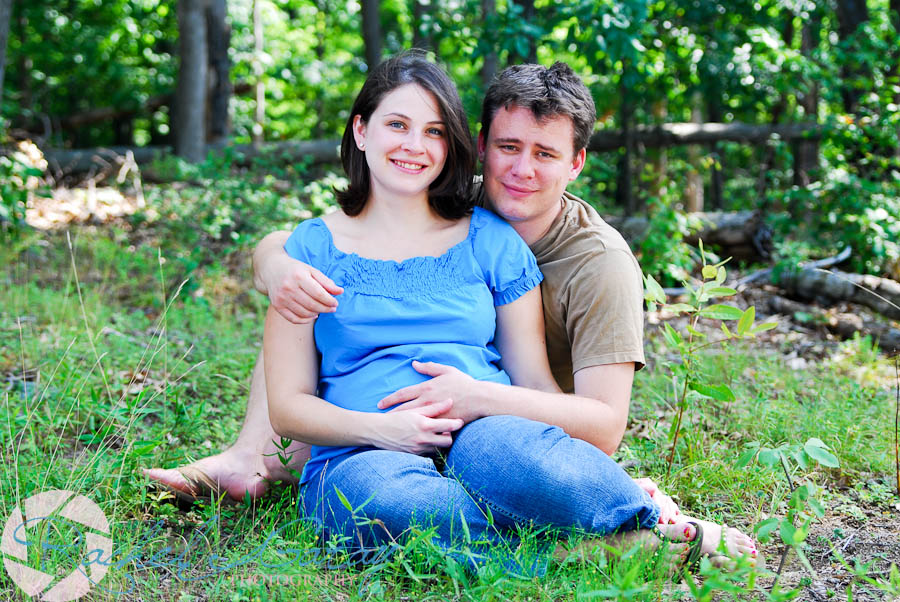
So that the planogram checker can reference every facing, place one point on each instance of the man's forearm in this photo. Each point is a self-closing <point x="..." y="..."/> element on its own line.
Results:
<point x="592" y="420"/>
<point x="270" y="247"/>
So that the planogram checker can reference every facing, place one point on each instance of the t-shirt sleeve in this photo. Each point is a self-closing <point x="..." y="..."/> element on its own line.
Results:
<point x="509" y="266"/>
<point x="310" y="242"/>
<point x="605" y="321"/>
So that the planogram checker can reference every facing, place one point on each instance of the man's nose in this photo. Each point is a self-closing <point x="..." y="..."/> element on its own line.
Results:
<point x="523" y="167"/>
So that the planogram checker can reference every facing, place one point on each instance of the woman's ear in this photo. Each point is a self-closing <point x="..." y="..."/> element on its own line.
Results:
<point x="359" y="132"/>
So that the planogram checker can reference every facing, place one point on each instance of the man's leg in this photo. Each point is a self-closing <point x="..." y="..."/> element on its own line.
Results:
<point x="250" y="463"/>
<point x="525" y="469"/>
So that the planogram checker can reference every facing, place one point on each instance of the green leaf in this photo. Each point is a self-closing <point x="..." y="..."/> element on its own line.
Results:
<point x="788" y="532"/>
<point x="746" y="457"/>
<point x="746" y="321"/>
<point x="695" y="332"/>
<point x="679" y="308"/>
<point x="653" y="291"/>
<point x="718" y="392"/>
<point x="763" y="327"/>
<point x="720" y="275"/>
<point x="673" y="337"/>
<point x="726" y="331"/>
<point x="721" y="291"/>
<point x="816" y="450"/>
<point x="817" y="507"/>
<point x="769" y="457"/>
<point x="721" y="312"/>
<point x="765" y="528"/>
<point x="344" y="501"/>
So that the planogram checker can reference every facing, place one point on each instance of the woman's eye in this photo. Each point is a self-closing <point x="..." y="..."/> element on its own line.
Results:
<point x="395" y="124"/>
<point x="436" y="131"/>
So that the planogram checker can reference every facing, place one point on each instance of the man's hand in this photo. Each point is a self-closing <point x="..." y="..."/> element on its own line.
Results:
<point x="297" y="291"/>
<point x="447" y="383"/>
<point x="303" y="292"/>
<point x="669" y="512"/>
<point x="417" y="430"/>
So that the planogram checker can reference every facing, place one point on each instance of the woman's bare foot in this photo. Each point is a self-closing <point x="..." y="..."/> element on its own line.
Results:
<point x="676" y="538"/>
<point x="233" y="471"/>
<point x="723" y="544"/>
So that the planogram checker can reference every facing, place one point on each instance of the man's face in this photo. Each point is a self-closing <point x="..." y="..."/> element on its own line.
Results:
<point x="527" y="165"/>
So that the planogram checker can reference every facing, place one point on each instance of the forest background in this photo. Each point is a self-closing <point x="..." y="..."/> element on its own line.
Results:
<point x="146" y="145"/>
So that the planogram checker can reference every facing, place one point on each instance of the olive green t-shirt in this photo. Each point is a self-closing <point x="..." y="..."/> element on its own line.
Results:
<point x="592" y="291"/>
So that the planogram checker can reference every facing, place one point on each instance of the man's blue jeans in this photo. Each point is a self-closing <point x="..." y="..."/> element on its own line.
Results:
<point x="502" y="471"/>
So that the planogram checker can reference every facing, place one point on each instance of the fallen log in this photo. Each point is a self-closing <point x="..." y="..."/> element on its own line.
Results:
<point x="68" y="162"/>
<point x="674" y="134"/>
<point x="742" y="235"/>
<point x="843" y="324"/>
<point x="830" y="287"/>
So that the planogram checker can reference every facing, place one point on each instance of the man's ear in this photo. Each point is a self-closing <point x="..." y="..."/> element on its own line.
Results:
<point x="480" y="146"/>
<point x="577" y="164"/>
<point x="359" y="132"/>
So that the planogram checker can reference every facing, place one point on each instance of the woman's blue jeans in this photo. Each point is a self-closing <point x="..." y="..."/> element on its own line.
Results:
<point x="502" y="471"/>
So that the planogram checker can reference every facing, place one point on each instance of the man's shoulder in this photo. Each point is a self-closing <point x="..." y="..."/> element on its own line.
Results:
<point x="580" y="230"/>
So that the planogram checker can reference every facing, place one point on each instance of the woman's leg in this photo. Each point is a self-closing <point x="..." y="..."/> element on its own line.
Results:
<point x="527" y="470"/>
<point x="388" y="491"/>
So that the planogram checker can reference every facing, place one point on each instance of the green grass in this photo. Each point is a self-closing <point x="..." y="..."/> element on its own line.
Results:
<point x="108" y="366"/>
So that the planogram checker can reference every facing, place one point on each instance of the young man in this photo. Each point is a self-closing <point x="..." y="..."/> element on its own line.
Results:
<point x="536" y="123"/>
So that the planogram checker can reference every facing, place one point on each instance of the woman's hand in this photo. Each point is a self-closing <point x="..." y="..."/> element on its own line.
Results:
<point x="669" y="511"/>
<point x="416" y="430"/>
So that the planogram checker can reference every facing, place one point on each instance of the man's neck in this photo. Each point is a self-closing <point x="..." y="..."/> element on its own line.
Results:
<point x="534" y="229"/>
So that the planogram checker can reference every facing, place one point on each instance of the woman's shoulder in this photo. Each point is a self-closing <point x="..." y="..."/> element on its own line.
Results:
<point x="491" y="223"/>
<point x="311" y="238"/>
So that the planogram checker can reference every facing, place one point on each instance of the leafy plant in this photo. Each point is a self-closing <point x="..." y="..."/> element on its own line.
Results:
<point x="805" y="504"/>
<point x="21" y="176"/>
<point x="688" y="381"/>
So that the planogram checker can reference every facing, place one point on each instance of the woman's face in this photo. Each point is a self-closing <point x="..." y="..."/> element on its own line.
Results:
<point x="404" y="142"/>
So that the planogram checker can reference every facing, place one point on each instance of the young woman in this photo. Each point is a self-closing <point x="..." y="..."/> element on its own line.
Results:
<point x="426" y="278"/>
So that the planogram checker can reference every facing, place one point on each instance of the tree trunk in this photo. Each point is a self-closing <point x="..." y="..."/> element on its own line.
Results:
<point x="490" y="65"/>
<point x="659" y="157"/>
<point x="693" y="194"/>
<point x="219" y="32"/>
<point x="423" y="33"/>
<point x="714" y="109"/>
<point x="371" y="30"/>
<point x="851" y="14"/>
<point x="190" y="93"/>
<point x="624" y="183"/>
<point x="258" y="41"/>
<point x="5" y="14"/>
<point x="806" y="152"/>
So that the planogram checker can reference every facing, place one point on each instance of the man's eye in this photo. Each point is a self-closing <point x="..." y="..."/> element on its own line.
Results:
<point x="508" y="147"/>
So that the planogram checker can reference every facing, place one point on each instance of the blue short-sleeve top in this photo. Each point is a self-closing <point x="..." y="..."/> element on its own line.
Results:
<point x="430" y="309"/>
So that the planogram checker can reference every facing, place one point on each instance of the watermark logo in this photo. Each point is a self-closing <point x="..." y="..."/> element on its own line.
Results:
<point x="87" y="530"/>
